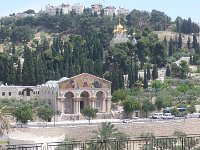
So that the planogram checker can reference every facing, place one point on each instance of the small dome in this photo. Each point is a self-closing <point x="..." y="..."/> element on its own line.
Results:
<point x="63" y="79"/>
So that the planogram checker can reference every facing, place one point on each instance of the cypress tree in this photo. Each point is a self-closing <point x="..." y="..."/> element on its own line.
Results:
<point x="168" y="71"/>
<point x="171" y="47"/>
<point x="136" y="71"/>
<point x="145" y="81"/>
<point x="179" y="41"/>
<point x="19" y="74"/>
<point x="197" y="48"/>
<point x="131" y="75"/>
<point x="165" y="41"/>
<point x="148" y="72"/>
<point x="1" y="70"/>
<point x="188" y="43"/>
<point x="155" y="72"/>
<point x="6" y="75"/>
<point x="194" y="42"/>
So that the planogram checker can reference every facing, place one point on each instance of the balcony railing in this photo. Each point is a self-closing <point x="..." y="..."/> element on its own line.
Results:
<point x="191" y="142"/>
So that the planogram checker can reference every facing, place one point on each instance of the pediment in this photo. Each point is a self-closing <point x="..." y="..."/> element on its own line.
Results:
<point x="84" y="80"/>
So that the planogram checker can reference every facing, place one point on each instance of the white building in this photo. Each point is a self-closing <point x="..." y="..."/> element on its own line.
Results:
<point x="110" y="10"/>
<point x="78" y="8"/>
<point x="67" y="95"/>
<point x="51" y="9"/>
<point x="96" y="8"/>
<point x="66" y="8"/>
<point x="22" y="15"/>
<point x="19" y="92"/>
<point x="122" y="11"/>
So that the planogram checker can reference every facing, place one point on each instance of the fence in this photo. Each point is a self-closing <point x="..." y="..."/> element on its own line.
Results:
<point x="191" y="142"/>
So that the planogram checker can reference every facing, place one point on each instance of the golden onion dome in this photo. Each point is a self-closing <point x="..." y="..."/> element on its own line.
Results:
<point x="119" y="26"/>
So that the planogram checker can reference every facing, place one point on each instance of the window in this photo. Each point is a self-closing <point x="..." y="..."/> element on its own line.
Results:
<point x="9" y="93"/>
<point x="3" y="93"/>
<point x="20" y="93"/>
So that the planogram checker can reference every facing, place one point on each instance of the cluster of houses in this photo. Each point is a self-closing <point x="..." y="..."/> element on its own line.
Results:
<point x="78" y="9"/>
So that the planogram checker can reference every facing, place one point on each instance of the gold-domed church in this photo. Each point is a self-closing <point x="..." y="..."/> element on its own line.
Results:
<point x="120" y="35"/>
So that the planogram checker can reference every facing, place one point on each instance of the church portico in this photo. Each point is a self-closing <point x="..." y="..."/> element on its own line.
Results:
<point x="84" y="90"/>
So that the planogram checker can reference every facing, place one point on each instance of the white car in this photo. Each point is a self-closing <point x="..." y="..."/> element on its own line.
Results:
<point x="157" y="115"/>
<point x="167" y="116"/>
<point x="127" y="121"/>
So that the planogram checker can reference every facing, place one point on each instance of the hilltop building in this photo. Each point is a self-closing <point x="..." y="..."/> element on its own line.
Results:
<point x="78" y="8"/>
<point x="110" y="10"/>
<point x="122" y="11"/>
<point x="96" y="8"/>
<point x="67" y="95"/>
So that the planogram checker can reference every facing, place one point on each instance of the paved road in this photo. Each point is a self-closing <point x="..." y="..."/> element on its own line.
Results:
<point x="93" y="122"/>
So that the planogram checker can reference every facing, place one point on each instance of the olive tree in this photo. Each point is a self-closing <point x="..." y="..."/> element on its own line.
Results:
<point x="88" y="112"/>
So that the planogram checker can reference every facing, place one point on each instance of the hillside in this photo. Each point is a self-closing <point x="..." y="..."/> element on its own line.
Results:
<point x="47" y="47"/>
<point x="169" y="34"/>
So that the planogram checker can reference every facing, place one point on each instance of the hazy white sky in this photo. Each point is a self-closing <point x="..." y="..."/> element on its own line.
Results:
<point x="173" y="8"/>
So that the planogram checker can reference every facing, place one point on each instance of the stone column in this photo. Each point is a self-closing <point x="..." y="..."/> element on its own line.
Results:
<point x="104" y="104"/>
<point x="62" y="100"/>
<point x="78" y="106"/>
<point x="75" y="108"/>
<point x="93" y="102"/>
<point x="108" y="105"/>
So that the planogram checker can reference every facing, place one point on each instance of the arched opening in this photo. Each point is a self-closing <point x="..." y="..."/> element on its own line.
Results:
<point x="99" y="101"/>
<point x="68" y="103"/>
<point x="84" y="99"/>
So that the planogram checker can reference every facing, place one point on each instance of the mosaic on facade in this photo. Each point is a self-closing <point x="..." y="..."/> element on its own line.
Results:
<point x="84" y="81"/>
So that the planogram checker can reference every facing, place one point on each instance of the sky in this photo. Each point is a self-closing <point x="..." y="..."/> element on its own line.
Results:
<point x="173" y="8"/>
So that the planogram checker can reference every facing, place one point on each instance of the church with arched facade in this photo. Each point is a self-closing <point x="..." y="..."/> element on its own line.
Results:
<point x="69" y="95"/>
<point x="82" y="90"/>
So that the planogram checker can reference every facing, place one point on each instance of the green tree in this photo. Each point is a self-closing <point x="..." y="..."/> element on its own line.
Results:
<point x="45" y="113"/>
<point x="130" y="105"/>
<point x="21" y="34"/>
<point x="89" y="112"/>
<point x="191" y="109"/>
<point x="171" y="47"/>
<point x="23" y="113"/>
<point x="175" y="111"/>
<point x="194" y="41"/>
<point x="4" y="33"/>
<point x="159" y="104"/>
<point x="184" y="68"/>
<point x="155" y="72"/>
<point x="148" y="72"/>
<point x="168" y="71"/>
<point x="145" y="81"/>
<point x="179" y="41"/>
<point x="147" y="106"/>
<point x="120" y="95"/>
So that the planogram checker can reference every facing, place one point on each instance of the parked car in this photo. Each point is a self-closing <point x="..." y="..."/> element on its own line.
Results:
<point x="127" y="121"/>
<point x="167" y="116"/>
<point x="157" y="115"/>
